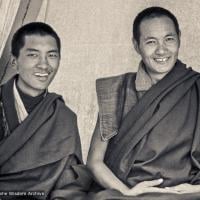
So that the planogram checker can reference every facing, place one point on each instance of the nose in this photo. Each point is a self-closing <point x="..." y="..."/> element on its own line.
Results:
<point x="43" y="62"/>
<point x="161" y="49"/>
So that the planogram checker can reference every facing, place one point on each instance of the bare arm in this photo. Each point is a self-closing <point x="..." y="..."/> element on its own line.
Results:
<point x="95" y="162"/>
<point x="185" y="188"/>
<point x="106" y="178"/>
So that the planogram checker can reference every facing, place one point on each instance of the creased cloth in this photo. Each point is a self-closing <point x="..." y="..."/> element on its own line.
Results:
<point x="109" y="98"/>
<point x="159" y="137"/>
<point x="20" y="108"/>
<point x="43" y="153"/>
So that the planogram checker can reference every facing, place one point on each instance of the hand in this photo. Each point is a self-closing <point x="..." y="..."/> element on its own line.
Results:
<point x="184" y="188"/>
<point x="147" y="187"/>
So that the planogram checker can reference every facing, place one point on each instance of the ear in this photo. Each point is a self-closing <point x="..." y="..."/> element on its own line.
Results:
<point x="179" y="36"/>
<point x="136" y="45"/>
<point x="13" y="61"/>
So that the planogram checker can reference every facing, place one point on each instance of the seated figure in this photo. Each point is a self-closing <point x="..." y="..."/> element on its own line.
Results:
<point x="40" y="148"/>
<point x="146" y="144"/>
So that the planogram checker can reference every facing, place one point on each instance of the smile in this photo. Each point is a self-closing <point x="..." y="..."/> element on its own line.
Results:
<point x="161" y="59"/>
<point x="41" y="74"/>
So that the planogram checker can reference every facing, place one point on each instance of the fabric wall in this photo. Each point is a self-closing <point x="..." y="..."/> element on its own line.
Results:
<point x="8" y="11"/>
<point x="14" y="14"/>
<point x="96" y="42"/>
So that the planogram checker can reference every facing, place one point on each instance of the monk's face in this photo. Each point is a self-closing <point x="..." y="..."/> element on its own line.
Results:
<point x="37" y="63"/>
<point x="159" y="45"/>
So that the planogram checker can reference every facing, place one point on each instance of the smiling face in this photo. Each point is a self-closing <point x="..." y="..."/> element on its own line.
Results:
<point x="158" y="46"/>
<point x="37" y="63"/>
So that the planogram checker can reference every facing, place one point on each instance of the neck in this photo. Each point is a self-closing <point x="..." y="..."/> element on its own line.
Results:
<point x="155" y="77"/>
<point x="29" y="92"/>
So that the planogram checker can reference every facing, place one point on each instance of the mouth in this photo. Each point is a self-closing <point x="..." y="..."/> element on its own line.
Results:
<point x="161" y="60"/>
<point x="42" y="76"/>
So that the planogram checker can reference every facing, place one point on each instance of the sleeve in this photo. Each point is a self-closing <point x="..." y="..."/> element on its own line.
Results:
<point x="74" y="181"/>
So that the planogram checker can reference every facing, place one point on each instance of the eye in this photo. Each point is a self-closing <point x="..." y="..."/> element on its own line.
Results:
<point x="170" y="39"/>
<point x="32" y="55"/>
<point x="151" y="42"/>
<point x="53" y="55"/>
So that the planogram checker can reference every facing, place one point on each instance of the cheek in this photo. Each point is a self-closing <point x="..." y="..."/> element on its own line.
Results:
<point x="53" y="62"/>
<point x="55" y="65"/>
<point x="24" y="73"/>
<point x="175" y="51"/>
<point x="147" y="56"/>
<point x="147" y="52"/>
<point x="174" y="48"/>
<point x="26" y="64"/>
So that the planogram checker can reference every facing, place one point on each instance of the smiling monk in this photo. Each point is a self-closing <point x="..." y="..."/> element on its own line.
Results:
<point x="146" y="144"/>
<point x="39" y="141"/>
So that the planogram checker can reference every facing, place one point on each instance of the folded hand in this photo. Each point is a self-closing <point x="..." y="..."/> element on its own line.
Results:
<point x="184" y="188"/>
<point x="148" y="187"/>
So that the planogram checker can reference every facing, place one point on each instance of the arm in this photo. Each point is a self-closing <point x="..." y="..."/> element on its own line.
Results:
<point x="72" y="179"/>
<point x="106" y="178"/>
<point x="95" y="162"/>
<point x="184" y="188"/>
<point x="73" y="182"/>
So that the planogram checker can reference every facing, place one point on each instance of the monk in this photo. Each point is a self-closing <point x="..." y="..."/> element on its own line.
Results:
<point x="40" y="148"/>
<point x="146" y="144"/>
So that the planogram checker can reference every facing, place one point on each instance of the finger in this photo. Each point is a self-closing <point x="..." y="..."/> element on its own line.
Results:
<point x="161" y="190"/>
<point x="178" y="187"/>
<point x="151" y="183"/>
<point x="172" y="189"/>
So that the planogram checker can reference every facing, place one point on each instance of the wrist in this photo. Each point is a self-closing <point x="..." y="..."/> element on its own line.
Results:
<point x="125" y="190"/>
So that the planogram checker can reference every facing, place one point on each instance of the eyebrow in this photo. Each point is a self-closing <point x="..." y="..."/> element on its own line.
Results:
<point x="35" y="50"/>
<point x="53" y="51"/>
<point x="150" y="38"/>
<point x="171" y="34"/>
<point x="154" y="38"/>
<point x="31" y="49"/>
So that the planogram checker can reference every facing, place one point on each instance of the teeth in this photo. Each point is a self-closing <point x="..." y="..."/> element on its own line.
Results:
<point x="41" y="74"/>
<point x="161" y="59"/>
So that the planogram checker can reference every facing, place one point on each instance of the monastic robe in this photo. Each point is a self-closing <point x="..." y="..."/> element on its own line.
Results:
<point x="158" y="137"/>
<point x="42" y="154"/>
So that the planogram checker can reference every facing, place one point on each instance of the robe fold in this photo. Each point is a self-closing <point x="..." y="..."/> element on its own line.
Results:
<point x="159" y="137"/>
<point x="43" y="154"/>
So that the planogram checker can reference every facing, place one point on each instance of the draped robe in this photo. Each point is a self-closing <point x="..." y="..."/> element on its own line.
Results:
<point x="159" y="137"/>
<point x="43" y="154"/>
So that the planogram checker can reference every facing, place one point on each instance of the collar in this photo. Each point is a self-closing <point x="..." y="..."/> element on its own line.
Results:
<point x="143" y="81"/>
<point x="19" y="105"/>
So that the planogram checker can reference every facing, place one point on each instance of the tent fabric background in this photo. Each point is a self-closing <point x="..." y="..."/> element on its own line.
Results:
<point x="96" y="42"/>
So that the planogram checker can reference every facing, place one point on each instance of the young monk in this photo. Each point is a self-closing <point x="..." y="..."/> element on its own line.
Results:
<point x="39" y="140"/>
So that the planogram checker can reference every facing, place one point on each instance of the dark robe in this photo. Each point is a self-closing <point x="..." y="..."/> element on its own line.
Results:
<point x="43" y="155"/>
<point x="159" y="137"/>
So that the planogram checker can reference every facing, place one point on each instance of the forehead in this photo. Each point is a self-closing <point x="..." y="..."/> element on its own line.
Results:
<point x="157" y="26"/>
<point x="40" y="41"/>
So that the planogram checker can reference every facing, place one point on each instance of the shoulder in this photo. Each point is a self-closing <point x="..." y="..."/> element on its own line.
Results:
<point x="68" y="111"/>
<point x="61" y="107"/>
<point x="111" y="79"/>
<point x="111" y="83"/>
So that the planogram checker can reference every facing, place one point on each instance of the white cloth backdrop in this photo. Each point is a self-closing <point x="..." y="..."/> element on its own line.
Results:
<point x="8" y="11"/>
<point x="13" y="14"/>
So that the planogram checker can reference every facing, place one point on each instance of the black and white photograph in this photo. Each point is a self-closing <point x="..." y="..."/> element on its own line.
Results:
<point x="99" y="100"/>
